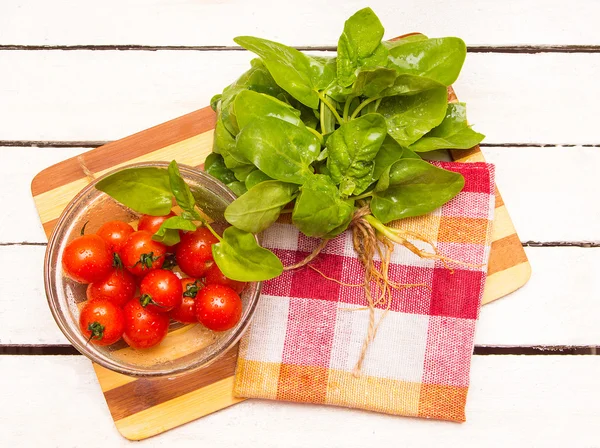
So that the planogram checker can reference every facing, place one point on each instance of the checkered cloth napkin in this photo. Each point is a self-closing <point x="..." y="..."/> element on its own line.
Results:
<point x="307" y="332"/>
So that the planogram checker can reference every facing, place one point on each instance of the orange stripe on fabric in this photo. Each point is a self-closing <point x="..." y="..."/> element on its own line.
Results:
<point x="306" y="384"/>
<point x="443" y="402"/>
<point x="455" y="229"/>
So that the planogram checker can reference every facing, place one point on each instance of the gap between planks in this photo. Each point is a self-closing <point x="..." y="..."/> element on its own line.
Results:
<point x="95" y="144"/>
<point x="521" y="49"/>
<point x="68" y="350"/>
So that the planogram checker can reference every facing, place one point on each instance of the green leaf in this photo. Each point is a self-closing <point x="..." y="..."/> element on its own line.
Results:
<point x="389" y="153"/>
<point x="255" y="178"/>
<point x="439" y="59"/>
<point x="319" y="211"/>
<point x="372" y="82"/>
<point x="251" y="105"/>
<point x="168" y="233"/>
<point x="144" y="190"/>
<point x="323" y="71"/>
<point x="360" y="40"/>
<point x="453" y="133"/>
<point x="240" y="257"/>
<point x="181" y="191"/>
<point x="257" y="79"/>
<point x="290" y="68"/>
<point x="224" y="144"/>
<point x="214" y="101"/>
<point x="415" y="37"/>
<point x="237" y="187"/>
<point x="410" y="117"/>
<point x="215" y="166"/>
<point x="260" y="207"/>
<point x="410" y="85"/>
<point x="414" y="188"/>
<point x="279" y="149"/>
<point x="352" y="149"/>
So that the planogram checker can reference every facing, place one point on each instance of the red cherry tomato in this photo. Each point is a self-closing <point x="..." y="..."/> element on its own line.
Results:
<point x="86" y="259"/>
<point x="214" y="276"/>
<point x="119" y="287"/>
<point x="161" y="291"/>
<point x="143" y="328"/>
<point x="186" y="311"/>
<point x="115" y="233"/>
<point x="102" y="322"/>
<point x="218" y="307"/>
<point x="153" y="223"/>
<point x="141" y="254"/>
<point x="194" y="252"/>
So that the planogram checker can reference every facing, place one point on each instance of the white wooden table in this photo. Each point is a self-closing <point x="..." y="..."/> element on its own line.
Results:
<point x="75" y="73"/>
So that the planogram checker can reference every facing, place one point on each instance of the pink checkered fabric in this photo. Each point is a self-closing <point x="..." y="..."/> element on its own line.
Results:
<point x="307" y="332"/>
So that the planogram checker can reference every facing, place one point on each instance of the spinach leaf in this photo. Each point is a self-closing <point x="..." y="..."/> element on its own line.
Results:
<point x="242" y="172"/>
<point x="372" y="82"/>
<point x="279" y="149"/>
<point x="323" y="71"/>
<point x="360" y="40"/>
<point x="414" y="187"/>
<point x="452" y="133"/>
<point x="168" y="233"/>
<point x="290" y="68"/>
<point x="319" y="211"/>
<point x="439" y="59"/>
<point x="250" y="105"/>
<point x="410" y="117"/>
<point x="258" y="79"/>
<point x="389" y="153"/>
<point x="352" y="148"/>
<point x="145" y="190"/>
<point x="255" y="178"/>
<point x="224" y="144"/>
<point x="182" y="192"/>
<point x="240" y="257"/>
<point x="237" y="187"/>
<point x="214" y="101"/>
<point x="414" y="37"/>
<point x="257" y="209"/>
<point x="215" y="166"/>
<point x="410" y="84"/>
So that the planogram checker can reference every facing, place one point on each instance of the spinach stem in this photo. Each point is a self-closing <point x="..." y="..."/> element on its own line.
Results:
<point x="377" y="103"/>
<point x="347" y="107"/>
<point x="333" y="111"/>
<point x="317" y="133"/>
<point x="322" y="117"/>
<point x="382" y="228"/>
<point x="362" y="196"/>
<point x="362" y="106"/>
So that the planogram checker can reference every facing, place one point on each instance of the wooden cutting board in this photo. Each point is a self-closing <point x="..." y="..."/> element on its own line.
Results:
<point x="145" y="407"/>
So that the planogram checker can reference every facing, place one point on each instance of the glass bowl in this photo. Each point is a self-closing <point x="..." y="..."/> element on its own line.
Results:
<point x="186" y="347"/>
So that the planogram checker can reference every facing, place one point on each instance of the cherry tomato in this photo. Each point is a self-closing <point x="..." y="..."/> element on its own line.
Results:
<point x="119" y="287"/>
<point x="143" y="328"/>
<point x="214" y="276"/>
<point x="141" y="254"/>
<point x="102" y="322"/>
<point x="194" y="252"/>
<point x="115" y="233"/>
<point x="153" y="223"/>
<point x="218" y="307"/>
<point x="86" y="259"/>
<point x="161" y="291"/>
<point x="186" y="311"/>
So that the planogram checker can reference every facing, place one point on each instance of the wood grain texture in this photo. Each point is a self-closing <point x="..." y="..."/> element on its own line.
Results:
<point x="216" y="23"/>
<point x="514" y="401"/>
<point x="105" y="95"/>
<point x="133" y="404"/>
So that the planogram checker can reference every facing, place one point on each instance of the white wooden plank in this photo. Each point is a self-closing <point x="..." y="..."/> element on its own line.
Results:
<point x="19" y="221"/>
<point x="92" y="95"/>
<point x="550" y="401"/>
<point x="310" y="22"/>
<point x="559" y="305"/>
<point x="542" y="208"/>
<point x="549" y="192"/>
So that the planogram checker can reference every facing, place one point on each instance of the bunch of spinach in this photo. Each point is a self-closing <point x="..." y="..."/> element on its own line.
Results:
<point x="322" y="137"/>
